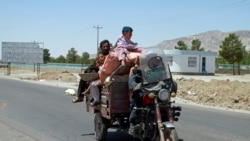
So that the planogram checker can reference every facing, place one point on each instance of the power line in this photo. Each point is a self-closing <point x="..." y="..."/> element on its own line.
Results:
<point x="97" y="29"/>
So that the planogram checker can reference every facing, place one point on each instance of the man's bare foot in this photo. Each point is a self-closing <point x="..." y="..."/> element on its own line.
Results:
<point x="123" y="63"/>
<point x="95" y="102"/>
<point x="86" y="92"/>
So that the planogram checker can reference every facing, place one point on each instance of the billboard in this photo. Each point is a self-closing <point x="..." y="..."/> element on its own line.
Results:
<point x="22" y="52"/>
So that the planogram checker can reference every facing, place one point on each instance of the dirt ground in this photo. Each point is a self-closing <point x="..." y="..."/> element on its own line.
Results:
<point x="233" y="94"/>
<point x="220" y="90"/>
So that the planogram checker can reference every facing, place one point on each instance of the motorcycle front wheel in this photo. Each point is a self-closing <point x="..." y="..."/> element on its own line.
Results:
<point x="100" y="127"/>
<point x="173" y="135"/>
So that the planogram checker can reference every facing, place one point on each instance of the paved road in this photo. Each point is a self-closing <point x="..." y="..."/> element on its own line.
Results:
<point x="206" y="124"/>
<point x="34" y="112"/>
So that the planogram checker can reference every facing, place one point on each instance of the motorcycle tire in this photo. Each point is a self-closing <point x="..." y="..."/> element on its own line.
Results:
<point x="173" y="135"/>
<point x="100" y="127"/>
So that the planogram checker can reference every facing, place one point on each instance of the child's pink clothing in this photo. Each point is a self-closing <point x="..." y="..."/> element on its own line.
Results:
<point x="124" y="46"/>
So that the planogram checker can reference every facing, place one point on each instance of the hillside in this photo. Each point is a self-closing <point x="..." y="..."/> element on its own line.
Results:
<point x="210" y="40"/>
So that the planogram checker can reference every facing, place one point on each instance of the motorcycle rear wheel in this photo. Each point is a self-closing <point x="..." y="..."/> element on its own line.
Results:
<point x="100" y="127"/>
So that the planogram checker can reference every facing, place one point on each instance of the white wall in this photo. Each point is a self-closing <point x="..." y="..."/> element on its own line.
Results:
<point x="180" y="61"/>
<point x="210" y="64"/>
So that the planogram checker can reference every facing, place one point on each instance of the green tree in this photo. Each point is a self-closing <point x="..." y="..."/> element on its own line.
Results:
<point x="85" y="58"/>
<point x="72" y="55"/>
<point x="246" y="57"/>
<point x="52" y="59"/>
<point x="46" y="55"/>
<point x="232" y="50"/>
<point x="91" y="61"/>
<point x="78" y="59"/>
<point x="196" y="45"/>
<point x="220" y="60"/>
<point x="181" y="45"/>
<point x="61" y="59"/>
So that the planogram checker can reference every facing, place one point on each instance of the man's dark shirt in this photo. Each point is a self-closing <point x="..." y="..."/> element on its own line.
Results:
<point x="91" y="69"/>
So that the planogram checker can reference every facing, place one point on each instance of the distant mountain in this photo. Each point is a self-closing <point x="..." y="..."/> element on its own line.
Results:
<point x="210" y="40"/>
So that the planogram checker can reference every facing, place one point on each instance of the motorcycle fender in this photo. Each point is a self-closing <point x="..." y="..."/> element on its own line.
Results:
<point x="168" y="125"/>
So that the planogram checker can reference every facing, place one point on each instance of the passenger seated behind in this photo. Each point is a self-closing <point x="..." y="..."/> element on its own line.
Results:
<point x="94" y="85"/>
<point x="83" y="85"/>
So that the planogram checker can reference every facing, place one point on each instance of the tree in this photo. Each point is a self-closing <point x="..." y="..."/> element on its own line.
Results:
<point x="52" y="59"/>
<point x="72" y="55"/>
<point x="85" y="58"/>
<point x="181" y="45"/>
<point x="46" y="55"/>
<point x="240" y="55"/>
<point x="196" y="45"/>
<point x="246" y="60"/>
<point x="91" y="61"/>
<point x="232" y="50"/>
<point x="61" y="59"/>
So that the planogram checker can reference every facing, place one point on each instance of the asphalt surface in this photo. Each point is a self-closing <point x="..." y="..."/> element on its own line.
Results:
<point x="35" y="112"/>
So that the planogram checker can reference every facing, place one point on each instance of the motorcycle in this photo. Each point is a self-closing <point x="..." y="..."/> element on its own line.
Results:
<point x="154" y="112"/>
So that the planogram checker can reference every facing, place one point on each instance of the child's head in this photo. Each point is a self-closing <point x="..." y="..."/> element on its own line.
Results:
<point x="101" y="57"/>
<point x="96" y="62"/>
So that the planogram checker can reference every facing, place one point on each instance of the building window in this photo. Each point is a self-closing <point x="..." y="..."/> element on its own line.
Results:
<point x="192" y="61"/>
<point x="170" y="60"/>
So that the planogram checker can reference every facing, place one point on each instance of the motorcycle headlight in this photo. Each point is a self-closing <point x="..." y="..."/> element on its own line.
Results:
<point x="163" y="94"/>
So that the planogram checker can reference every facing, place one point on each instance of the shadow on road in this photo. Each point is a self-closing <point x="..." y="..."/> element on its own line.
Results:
<point x="88" y="134"/>
<point x="118" y="135"/>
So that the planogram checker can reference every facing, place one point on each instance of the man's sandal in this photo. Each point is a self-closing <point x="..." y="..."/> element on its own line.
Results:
<point x="77" y="99"/>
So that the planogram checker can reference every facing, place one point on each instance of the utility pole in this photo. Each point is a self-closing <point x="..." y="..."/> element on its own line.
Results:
<point x="97" y="28"/>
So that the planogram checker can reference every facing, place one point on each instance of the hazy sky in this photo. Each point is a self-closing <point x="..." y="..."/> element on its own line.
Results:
<point x="62" y="24"/>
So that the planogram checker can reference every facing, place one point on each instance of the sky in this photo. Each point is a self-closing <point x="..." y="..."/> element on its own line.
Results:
<point x="63" y="24"/>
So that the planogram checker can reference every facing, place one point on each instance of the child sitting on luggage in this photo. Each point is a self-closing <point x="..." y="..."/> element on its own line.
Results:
<point x="124" y="45"/>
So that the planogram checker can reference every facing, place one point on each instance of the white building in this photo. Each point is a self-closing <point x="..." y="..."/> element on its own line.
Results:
<point x="191" y="62"/>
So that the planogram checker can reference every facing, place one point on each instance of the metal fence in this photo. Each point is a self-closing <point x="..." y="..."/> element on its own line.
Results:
<point x="230" y="66"/>
<point x="64" y="65"/>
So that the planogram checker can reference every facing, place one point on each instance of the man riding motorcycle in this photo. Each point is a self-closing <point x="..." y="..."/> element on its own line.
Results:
<point x="135" y="80"/>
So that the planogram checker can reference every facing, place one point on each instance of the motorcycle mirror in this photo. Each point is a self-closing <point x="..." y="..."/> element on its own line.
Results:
<point x="138" y="79"/>
<point x="174" y="87"/>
